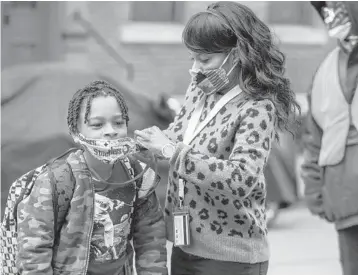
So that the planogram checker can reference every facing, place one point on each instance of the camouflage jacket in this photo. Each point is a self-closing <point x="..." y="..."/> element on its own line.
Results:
<point x="44" y="249"/>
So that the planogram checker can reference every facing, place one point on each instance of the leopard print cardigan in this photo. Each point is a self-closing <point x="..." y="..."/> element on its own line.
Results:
<point x="223" y="167"/>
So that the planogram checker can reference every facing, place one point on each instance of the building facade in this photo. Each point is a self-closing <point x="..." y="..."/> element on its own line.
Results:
<point x="147" y="37"/>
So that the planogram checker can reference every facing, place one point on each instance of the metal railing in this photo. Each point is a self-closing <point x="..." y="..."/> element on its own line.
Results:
<point x="105" y="45"/>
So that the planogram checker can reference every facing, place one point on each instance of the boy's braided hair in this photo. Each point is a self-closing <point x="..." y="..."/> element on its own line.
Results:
<point x="89" y="92"/>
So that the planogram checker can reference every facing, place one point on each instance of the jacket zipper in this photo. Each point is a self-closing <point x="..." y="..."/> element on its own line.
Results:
<point x="91" y="229"/>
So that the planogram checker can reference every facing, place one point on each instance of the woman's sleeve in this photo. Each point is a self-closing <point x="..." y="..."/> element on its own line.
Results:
<point x="35" y="218"/>
<point x="238" y="175"/>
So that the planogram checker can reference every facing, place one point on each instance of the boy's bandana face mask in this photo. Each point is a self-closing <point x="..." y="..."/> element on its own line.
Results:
<point x="211" y="81"/>
<point x="109" y="151"/>
<point x="338" y="22"/>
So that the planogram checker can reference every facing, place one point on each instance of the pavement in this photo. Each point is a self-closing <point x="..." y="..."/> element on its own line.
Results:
<point x="300" y="244"/>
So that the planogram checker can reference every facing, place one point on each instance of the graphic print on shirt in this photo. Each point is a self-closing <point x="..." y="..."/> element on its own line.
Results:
<point x="112" y="219"/>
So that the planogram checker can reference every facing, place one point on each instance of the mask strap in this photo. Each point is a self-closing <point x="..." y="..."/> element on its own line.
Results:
<point x="226" y="58"/>
<point x="140" y="175"/>
<point x="233" y="67"/>
<point x="137" y="177"/>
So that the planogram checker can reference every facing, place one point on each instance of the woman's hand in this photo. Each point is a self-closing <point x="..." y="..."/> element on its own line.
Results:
<point x="153" y="139"/>
<point x="147" y="157"/>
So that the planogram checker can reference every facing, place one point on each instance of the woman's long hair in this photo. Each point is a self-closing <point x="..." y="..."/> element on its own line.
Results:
<point x="228" y="25"/>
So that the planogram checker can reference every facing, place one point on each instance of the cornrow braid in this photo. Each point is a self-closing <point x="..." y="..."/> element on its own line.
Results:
<point x="89" y="92"/>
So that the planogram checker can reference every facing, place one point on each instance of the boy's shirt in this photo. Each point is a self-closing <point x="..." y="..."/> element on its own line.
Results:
<point x="111" y="227"/>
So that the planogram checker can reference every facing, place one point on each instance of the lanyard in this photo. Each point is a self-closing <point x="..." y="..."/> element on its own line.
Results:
<point x="194" y="128"/>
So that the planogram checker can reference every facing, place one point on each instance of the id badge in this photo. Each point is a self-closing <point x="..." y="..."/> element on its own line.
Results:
<point x="181" y="228"/>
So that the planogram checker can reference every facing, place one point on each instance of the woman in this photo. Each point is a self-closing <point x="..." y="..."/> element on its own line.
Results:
<point x="219" y="143"/>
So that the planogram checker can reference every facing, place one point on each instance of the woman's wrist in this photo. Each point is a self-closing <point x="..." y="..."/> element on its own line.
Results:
<point x="168" y="150"/>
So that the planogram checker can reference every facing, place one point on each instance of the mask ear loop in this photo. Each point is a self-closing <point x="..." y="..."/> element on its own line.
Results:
<point x="226" y="58"/>
<point x="140" y="175"/>
<point x="152" y="188"/>
<point x="233" y="67"/>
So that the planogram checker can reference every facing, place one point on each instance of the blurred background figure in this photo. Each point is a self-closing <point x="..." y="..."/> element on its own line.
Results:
<point x="331" y="136"/>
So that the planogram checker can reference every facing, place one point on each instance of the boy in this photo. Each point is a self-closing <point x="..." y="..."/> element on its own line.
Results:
<point x="85" y="241"/>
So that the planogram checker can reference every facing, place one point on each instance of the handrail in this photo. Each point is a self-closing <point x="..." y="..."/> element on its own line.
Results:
<point x="102" y="42"/>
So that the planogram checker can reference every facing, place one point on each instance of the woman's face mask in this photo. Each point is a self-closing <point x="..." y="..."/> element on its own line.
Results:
<point x="109" y="151"/>
<point x="211" y="81"/>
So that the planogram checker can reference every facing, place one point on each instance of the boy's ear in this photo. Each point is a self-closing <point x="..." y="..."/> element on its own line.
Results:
<point x="74" y="137"/>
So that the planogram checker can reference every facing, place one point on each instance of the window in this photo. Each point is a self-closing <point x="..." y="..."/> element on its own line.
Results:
<point x="5" y="13"/>
<point x="157" y="11"/>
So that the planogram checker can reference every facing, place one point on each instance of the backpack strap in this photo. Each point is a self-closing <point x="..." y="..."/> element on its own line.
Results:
<point x="51" y="161"/>
<point x="58" y="188"/>
<point x="147" y="179"/>
<point x="29" y="177"/>
<point x="130" y="168"/>
<point x="142" y="191"/>
<point x="54" y="197"/>
<point x="130" y="165"/>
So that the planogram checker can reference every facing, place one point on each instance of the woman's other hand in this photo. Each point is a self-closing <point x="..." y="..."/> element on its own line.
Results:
<point x="146" y="157"/>
<point x="153" y="139"/>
